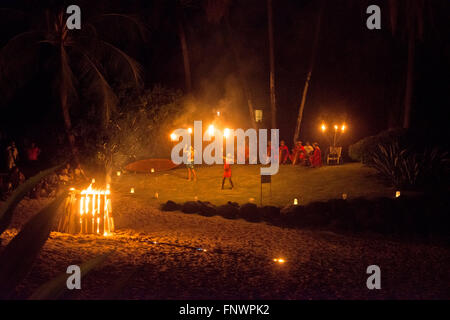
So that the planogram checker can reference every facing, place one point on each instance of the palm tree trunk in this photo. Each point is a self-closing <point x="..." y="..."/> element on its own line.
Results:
<point x="186" y="63"/>
<point x="63" y="97"/>
<point x="243" y="79"/>
<point x="308" y="78"/>
<point x="273" y="107"/>
<point x="409" y="80"/>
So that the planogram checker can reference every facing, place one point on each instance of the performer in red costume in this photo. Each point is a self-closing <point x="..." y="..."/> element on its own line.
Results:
<point x="227" y="170"/>
<point x="298" y="153"/>
<point x="316" y="159"/>
<point x="284" y="152"/>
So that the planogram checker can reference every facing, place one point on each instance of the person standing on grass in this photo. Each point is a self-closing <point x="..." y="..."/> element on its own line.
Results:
<point x="227" y="170"/>
<point x="11" y="155"/>
<point x="33" y="152"/>
<point x="298" y="153"/>
<point x="316" y="159"/>
<point x="284" y="152"/>
<point x="190" y="154"/>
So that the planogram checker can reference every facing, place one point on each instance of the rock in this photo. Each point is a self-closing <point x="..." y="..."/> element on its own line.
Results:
<point x="207" y="209"/>
<point x="234" y="204"/>
<point x="228" y="211"/>
<point x="191" y="207"/>
<point x="170" y="206"/>
<point x="271" y="215"/>
<point x="249" y="212"/>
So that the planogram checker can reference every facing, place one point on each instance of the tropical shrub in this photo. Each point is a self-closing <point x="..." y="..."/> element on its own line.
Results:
<point x="363" y="149"/>
<point x="137" y="131"/>
<point x="405" y="168"/>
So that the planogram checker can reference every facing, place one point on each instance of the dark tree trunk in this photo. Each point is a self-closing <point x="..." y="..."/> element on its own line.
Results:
<point x="63" y="97"/>
<point x="186" y="62"/>
<point x="308" y="77"/>
<point x="273" y="106"/>
<point x="409" y="80"/>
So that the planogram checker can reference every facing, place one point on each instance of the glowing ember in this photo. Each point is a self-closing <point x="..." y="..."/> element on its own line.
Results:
<point x="344" y="196"/>
<point x="397" y="194"/>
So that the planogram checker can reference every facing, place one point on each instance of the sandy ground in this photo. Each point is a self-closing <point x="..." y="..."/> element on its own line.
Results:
<point x="238" y="263"/>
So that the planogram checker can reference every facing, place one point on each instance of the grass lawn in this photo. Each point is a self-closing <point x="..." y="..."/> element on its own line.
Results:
<point x="305" y="184"/>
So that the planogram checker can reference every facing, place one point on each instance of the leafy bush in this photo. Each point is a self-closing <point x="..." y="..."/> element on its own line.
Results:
<point x="363" y="149"/>
<point x="137" y="130"/>
<point x="409" y="169"/>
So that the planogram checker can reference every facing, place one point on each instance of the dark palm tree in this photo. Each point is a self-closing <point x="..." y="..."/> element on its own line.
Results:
<point x="75" y="56"/>
<point x="309" y="75"/>
<point x="407" y="18"/>
<point x="273" y="105"/>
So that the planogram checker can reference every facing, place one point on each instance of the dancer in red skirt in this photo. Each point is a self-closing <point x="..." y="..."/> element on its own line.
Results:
<point x="227" y="170"/>
<point x="284" y="152"/>
<point x="316" y="159"/>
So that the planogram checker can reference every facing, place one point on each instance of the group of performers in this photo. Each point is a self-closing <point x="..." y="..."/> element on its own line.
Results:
<point x="307" y="155"/>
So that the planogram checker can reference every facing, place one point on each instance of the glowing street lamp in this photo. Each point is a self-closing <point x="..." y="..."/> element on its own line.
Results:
<point x="173" y="137"/>
<point x="343" y="127"/>
<point x="323" y="127"/>
<point x="190" y="130"/>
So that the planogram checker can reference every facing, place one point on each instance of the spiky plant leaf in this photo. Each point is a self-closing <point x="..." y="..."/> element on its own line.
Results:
<point x="56" y="287"/>
<point x="19" y="255"/>
<point x="7" y="209"/>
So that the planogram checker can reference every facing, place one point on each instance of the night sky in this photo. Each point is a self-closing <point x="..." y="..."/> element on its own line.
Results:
<point x="359" y="74"/>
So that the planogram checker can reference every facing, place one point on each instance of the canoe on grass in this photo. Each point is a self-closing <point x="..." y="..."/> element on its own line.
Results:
<point x="147" y="165"/>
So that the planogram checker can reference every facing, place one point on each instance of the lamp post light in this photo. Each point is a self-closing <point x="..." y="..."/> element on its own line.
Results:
<point x="335" y="135"/>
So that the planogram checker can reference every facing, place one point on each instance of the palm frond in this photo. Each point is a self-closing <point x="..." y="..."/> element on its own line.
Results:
<point x="19" y="255"/>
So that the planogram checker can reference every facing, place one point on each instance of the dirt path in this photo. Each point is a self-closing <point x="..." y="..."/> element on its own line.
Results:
<point x="238" y="261"/>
